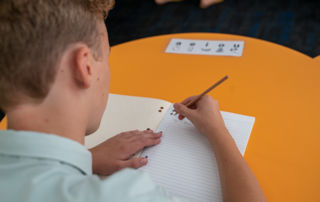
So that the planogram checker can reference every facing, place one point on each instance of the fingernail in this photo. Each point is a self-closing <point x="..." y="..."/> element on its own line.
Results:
<point x="143" y="161"/>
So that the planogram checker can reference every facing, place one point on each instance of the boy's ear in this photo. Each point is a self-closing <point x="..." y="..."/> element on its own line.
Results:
<point x="83" y="66"/>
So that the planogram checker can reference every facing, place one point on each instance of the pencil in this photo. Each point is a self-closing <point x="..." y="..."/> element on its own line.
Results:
<point x="207" y="91"/>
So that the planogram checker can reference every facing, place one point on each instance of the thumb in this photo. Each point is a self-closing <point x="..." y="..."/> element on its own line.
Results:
<point x="135" y="162"/>
<point x="183" y="110"/>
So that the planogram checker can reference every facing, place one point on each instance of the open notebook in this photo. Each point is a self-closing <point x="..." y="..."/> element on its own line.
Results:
<point x="183" y="163"/>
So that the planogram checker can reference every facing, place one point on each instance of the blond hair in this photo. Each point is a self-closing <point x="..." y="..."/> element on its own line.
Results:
<point x="33" y="36"/>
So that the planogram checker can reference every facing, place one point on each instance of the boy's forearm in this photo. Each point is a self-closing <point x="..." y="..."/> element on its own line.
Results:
<point x="237" y="180"/>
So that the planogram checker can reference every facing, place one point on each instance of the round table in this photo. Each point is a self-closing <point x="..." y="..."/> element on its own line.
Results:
<point x="3" y="124"/>
<point x="277" y="85"/>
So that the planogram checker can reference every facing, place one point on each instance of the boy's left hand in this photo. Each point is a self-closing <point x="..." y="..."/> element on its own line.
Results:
<point x="115" y="153"/>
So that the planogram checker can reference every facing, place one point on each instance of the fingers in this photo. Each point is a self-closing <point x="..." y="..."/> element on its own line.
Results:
<point x="151" y="134"/>
<point x="134" y="162"/>
<point x="133" y="133"/>
<point x="149" y="131"/>
<point x="186" y="102"/>
<point x="189" y="100"/>
<point x="180" y="117"/>
<point x="147" y="139"/>
<point x="129" y="134"/>
<point x="148" y="134"/>
<point x="183" y="111"/>
<point x="136" y="140"/>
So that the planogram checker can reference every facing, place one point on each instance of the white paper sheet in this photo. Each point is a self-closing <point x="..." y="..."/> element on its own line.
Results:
<point x="184" y="163"/>
<point x="125" y="113"/>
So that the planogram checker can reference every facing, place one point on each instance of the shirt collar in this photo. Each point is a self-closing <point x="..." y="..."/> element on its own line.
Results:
<point x="48" y="146"/>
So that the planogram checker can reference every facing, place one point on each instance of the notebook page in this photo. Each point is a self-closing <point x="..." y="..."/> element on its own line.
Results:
<point x="125" y="113"/>
<point x="184" y="163"/>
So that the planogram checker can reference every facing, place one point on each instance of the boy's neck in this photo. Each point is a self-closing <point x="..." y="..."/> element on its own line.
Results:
<point x="57" y="118"/>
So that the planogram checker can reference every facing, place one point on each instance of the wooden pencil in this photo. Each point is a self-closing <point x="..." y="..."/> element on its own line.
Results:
<point x="207" y="91"/>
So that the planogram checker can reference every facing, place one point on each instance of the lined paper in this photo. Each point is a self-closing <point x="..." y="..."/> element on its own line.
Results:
<point x="184" y="163"/>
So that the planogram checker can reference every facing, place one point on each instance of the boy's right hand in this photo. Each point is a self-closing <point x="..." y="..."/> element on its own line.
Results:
<point x="237" y="180"/>
<point x="205" y="114"/>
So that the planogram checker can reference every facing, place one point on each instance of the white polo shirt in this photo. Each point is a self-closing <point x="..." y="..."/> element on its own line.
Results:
<point x="48" y="168"/>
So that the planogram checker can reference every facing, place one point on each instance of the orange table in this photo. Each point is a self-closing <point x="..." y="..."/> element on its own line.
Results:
<point x="277" y="85"/>
<point x="3" y="124"/>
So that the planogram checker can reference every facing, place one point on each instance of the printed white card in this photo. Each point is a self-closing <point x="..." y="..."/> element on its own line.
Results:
<point x="206" y="47"/>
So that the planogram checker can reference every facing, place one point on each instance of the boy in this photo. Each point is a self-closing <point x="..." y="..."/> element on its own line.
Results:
<point x="54" y="82"/>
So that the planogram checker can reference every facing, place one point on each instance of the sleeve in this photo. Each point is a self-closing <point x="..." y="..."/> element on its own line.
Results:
<point x="127" y="185"/>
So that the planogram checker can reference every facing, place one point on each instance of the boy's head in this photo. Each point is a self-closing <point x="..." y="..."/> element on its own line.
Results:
<point x="49" y="47"/>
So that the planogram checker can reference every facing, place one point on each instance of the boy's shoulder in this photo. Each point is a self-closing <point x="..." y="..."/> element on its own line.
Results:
<point x="44" y="167"/>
